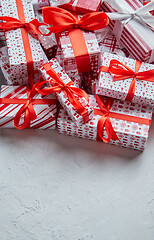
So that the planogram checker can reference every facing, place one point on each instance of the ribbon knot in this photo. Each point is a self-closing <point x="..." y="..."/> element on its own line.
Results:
<point x="122" y="72"/>
<point x="72" y="92"/>
<point x="10" y="23"/>
<point x="104" y="122"/>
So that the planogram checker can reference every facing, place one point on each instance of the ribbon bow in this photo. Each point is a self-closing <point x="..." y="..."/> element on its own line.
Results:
<point x="70" y="91"/>
<point x="31" y="27"/>
<point x="125" y="15"/>
<point x="105" y="122"/>
<point x="64" y="20"/>
<point x="27" y="110"/>
<point x="122" y="72"/>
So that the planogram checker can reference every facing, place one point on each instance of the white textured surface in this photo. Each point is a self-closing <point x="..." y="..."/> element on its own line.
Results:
<point x="55" y="187"/>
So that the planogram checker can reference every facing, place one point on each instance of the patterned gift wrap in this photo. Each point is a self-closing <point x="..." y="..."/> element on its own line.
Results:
<point x="39" y="4"/>
<point x="46" y="113"/>
<point x="25" y="52"/>
<point x="2" y="34"/>
<point x="88" y="81"/>
<point x="48" y="43"/>
<point x="82" y="6"/>
<point x="120" y="89"/>
<point x="137" y="38"/>
<point x="131" y="133"/>
<point x="62" y="96"/>
<point x="73" y="74"/>
<point x="69" y="58"/>
<point x="10" y="76"/>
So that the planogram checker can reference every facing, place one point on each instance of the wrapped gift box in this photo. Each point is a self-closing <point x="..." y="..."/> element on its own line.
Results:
<point x="46" y="112"/>
<point x="25" y="52"/>
<point x="131" y="133"/>
<point x="2" y="34"/>
<point x="81" y="6"/>
<point x="121" y="89"/>
<point x="48" y="43"/>
<point x="73" y="74"/>
<point x="136" y="37"/>
<point x="10" y="77"/>
<point x="39" y="4"/>
<point x="80" y="111"/>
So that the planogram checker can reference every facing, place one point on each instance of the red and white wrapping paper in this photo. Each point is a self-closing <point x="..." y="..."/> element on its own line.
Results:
<point x="61" y="96"/>
<point x="39" y="4"/>
<point x="14" y="39"/>
<point x="10" y="76"/>
<point x="48" y="43"/>
<point x="2" y="34"/>
<point x="68" y="53"/>
<point x="46" y="114"/>
<point x="131" y="134"/>
<point x="73" y="74"/>
<point x="81" y="6"/>
<point x="144" y="90"/>
<point x="136" y="37"/>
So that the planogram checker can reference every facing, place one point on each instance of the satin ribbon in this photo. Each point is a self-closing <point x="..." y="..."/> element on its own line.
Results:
<point x="70" y="91"/>
<point x="126" y="15"/>
<point x="10" y="23"/>
<point x="27" y="110"/>
<point x="122" y="72"/>
<point x="63" y="20"/>
<point x="104" y="123"/>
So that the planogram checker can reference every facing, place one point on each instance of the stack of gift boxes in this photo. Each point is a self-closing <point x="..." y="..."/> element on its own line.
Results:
<point x="84" y="67"/>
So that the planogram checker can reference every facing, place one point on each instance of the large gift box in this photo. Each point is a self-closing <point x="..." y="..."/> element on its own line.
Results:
<point x="81" y="6"/>
<point x="117" y="122"/>
<point x="24" y="51"/>
<point x="133" y="25"/>
<point x="22" y="107"/>
<point x="126" y="79"/>
<point x="80" y="48"/>
<point x="73" y="99"/>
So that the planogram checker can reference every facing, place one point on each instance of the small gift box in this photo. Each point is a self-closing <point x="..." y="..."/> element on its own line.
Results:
<point x="116" y="122"/>
<point x="133" y="25"/>
<point x="39" y="4"/>
<point x="24" y="51"/>
<point x="73" y="99"/>
<point x="80" y="48"/>
<point x="126" y="79"/>
<point x="10" y="76"/>
<point x="23" y="107"/>
<point x="81" y="6"/>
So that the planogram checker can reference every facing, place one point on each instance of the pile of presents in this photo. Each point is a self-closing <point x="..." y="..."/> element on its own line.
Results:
<point x="84" y="67"/>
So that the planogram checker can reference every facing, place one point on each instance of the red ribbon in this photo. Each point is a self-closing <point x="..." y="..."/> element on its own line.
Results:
<point x="31" y="27"/>
<point x="62" y="20"/>
<point x="27" y="110"/>
<point x="104" y="122"/>
<point x="70" y="91"/>
<point x="122" y="72"/>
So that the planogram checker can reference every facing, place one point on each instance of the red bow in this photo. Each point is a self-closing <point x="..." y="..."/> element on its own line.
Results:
<point x="105" y="122"/>
<point x="64" y="20"/>
<point x="27" y="109"/>
<point x="31" y="27"/>
<point x="70" y="91"/>
<point x="122" y="72"/>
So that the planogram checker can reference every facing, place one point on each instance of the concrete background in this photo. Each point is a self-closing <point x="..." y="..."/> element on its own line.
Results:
<point x="56" y="187"/>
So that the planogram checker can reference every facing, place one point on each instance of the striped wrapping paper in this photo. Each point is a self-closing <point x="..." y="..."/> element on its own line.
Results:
<point x="136" y="37"/>
<point x="46" y="114"/>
